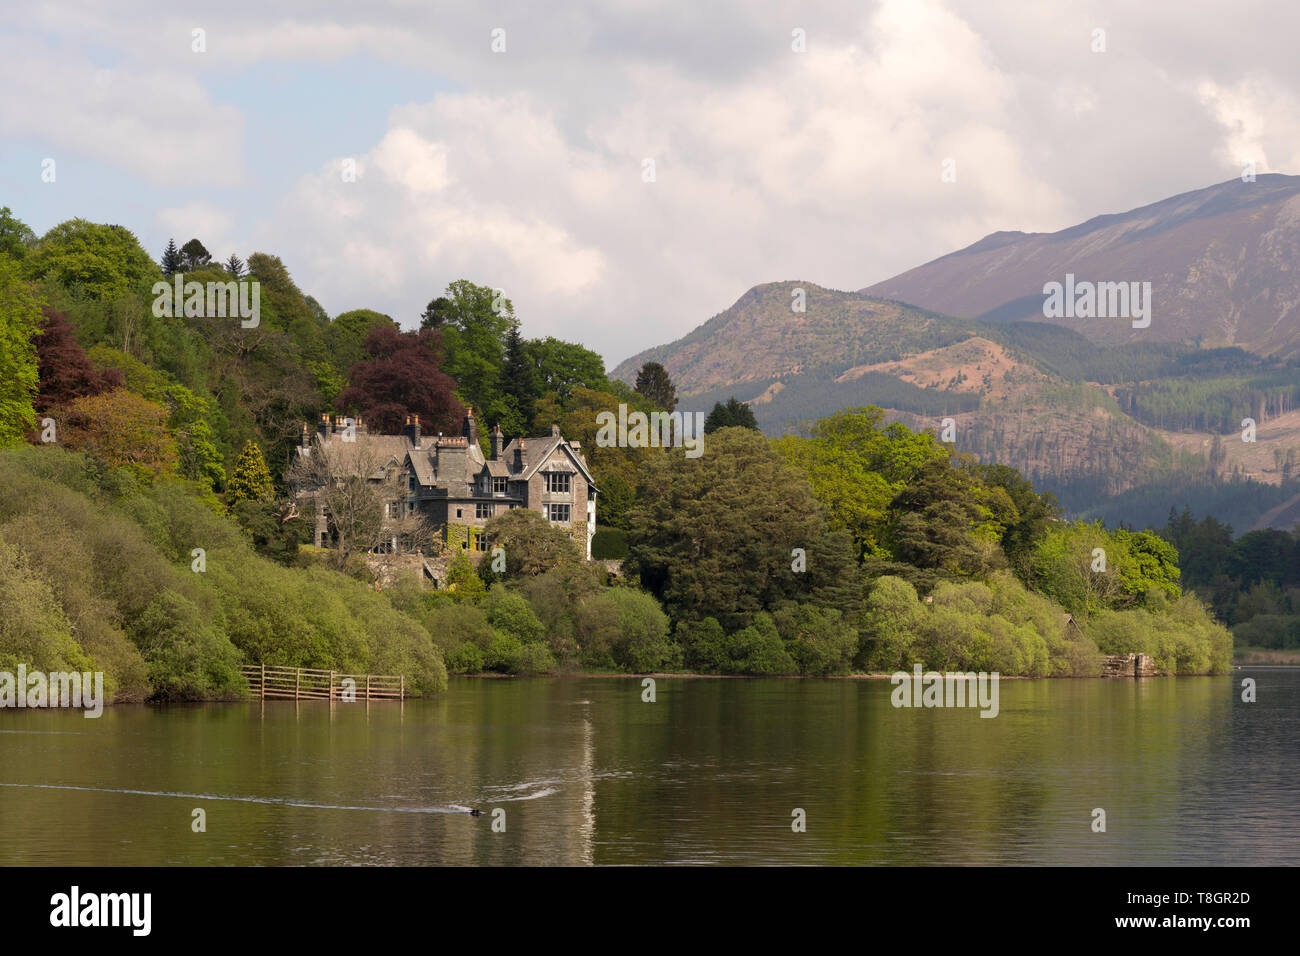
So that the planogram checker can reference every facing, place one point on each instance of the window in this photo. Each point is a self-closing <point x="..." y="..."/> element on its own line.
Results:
<point x="558" y="513"/>
<point x="480" y="542"/>
<point x="499" y="485"/>
<point x="482" y="509"/>
<point x="557" y="482"/>
<point x="457" y="512"/>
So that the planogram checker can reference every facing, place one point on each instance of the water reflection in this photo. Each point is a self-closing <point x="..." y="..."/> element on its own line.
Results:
<point x="586" y="772"/>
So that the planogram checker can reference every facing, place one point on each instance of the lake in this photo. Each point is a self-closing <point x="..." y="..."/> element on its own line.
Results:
<point x="711" y="772"/>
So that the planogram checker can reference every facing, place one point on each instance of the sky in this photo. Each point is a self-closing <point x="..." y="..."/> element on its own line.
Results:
<point x="625" y="170"/>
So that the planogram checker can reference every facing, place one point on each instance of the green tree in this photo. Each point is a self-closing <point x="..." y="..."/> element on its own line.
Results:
<point x="653" y="382"/>
<point x="20" y="318"/>
<point x="171" y="260"/>
<point x="565" y="366"/>
<point x="720" y="536"/>
<point x="251" y="480"/>
<point x="194" y="256"/>
<point x="476" y="324"/>
<point x="98" y="261"/>
<point x="16" y="238"/>
<point x="519" y="384"/>
<point x="532" y="545"/>
<point x="857" y="466"/>
<point x="733" y="414"/>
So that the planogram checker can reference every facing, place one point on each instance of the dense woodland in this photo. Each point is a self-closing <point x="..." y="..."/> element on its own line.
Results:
<point x="128" y="441"/>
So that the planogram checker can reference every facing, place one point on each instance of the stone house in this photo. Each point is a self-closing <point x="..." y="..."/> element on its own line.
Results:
<point x="450" y="482"/>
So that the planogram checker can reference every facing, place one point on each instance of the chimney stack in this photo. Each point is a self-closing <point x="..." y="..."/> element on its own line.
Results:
<point x="521" y="455"/>
<point x="323" y="428"/>
<point x="412" y="429"/>
<point x="498" y="442"/>
<point x="470" y="430"/>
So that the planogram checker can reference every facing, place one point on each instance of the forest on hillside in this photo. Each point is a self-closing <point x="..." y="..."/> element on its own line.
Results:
<point x="146" y="530"/>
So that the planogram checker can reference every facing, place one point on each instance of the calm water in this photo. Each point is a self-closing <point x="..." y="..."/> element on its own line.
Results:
<point x="709" y="773"/>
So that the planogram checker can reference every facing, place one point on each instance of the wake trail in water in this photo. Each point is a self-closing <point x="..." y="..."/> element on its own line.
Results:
<point x="278" y="801"/>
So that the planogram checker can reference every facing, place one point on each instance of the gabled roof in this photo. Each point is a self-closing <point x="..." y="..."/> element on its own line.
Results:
<point x="538" y="450"/>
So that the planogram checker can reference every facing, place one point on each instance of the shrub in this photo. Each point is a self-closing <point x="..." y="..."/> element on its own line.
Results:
<point x="609" y="544"/>
<point x="817" y="639"/>
<point x="511" y="613"/>
<point x="532" y="659"/>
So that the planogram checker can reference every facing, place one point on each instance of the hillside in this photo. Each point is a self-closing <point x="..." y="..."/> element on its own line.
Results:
<point x="766" y="339"/>
<point x="1118" y="431"/>
<point x="1220" y="262"/>
<point x="1094" y="410"/>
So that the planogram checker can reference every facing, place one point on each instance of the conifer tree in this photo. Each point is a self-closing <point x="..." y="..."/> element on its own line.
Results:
<point x="171" y="259"/>
<point x="251" y="480"/>
<point x="732" y="414"/>
<point x="653" y="382"/>
<point x="235" y="265"/>
<point x="519" y="380"/>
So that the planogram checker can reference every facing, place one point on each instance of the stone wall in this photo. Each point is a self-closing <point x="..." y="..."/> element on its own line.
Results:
<point x="1127" y="665"/>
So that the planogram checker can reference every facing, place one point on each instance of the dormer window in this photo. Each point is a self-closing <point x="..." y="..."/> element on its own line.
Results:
<point x="558" y="482"/>
<point x="500" y="485"/>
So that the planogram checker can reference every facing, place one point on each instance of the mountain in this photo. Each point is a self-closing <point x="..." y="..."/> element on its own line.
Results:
<point x="1118" y="422"/>
<point x="1221" y="262"/>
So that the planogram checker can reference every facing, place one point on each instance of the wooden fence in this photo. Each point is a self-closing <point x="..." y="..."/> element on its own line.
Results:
<point x="268" y="682"/>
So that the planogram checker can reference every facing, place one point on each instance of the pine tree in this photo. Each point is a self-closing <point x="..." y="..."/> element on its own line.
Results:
<point x="653" y="382"/>
<point x="251" y="480"/>
<point x="171" y="259"/>
<point x="519" y="380"/>
<point x="235" y="265"/>
<point x="733" y="414"/>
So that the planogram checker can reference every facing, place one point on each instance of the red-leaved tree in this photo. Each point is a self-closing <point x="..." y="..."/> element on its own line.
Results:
<point x="402" y="377"/>
<point x="66" y="372"/>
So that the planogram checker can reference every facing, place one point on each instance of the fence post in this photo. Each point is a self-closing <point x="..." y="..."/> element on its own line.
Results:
<point x="297" y="680"/>
<point x="367" y="688"/>
<point x="331" y="685"/>
<point x="262" y="686"/>
<point x="403" y="690"/>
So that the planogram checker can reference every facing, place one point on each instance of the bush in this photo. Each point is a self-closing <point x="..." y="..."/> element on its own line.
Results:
<point x="640" y="642"/>
<point x="115" y="558"/>
<point x="1180" y="636"/>
<point x="817" y="639"/>
<point x="758" y="649"/>
<point x="466" y="659"/>
<point x="500" y="651"/>
<point x="532" y="659"/>
<point x="704" y="645"/>
<point x="609" y="544"/>
<point x="511" y="613"/>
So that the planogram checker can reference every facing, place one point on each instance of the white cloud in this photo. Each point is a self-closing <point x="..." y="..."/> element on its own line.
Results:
<point x="770" y="164"/>
<point x="153" y="123"/>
